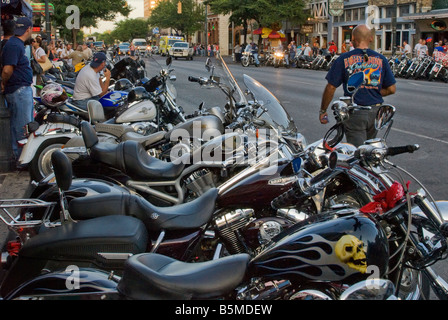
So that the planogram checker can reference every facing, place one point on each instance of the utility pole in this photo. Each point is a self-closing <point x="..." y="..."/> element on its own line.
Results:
<point x="47" y="21"/>
<point x="206" y="27"/>
<point x="394" y="28"/>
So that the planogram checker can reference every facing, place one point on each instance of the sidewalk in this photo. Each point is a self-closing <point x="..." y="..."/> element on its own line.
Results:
<point x="15" y="185"/>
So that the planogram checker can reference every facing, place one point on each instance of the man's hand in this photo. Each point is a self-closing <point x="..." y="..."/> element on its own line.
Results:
<point x="107" y="73"/>
<point x="323" y="118"/>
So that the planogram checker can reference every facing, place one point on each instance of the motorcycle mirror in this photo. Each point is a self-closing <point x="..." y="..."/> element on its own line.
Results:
<point x="169" y="60"/>
<point x="333" y="160"/>
<point x="384" y="116"/>
<point x="355" y="81"/>
<point x="208" y="64"/>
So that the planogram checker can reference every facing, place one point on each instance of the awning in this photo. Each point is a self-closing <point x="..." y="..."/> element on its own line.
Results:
<point x="434" y="14"/>
<point x="17" y="7"/>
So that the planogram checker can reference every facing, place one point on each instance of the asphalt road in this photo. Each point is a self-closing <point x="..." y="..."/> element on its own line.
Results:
<point x="420" y="118"/>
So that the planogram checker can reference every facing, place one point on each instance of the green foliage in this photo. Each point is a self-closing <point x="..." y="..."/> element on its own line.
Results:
<point x="90" y="12"/>
<point x="190" y="20"/>
<point x="129" y="29"/>
<point x="267" y="13"/>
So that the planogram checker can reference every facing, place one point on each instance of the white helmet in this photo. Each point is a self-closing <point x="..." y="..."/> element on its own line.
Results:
<point x="53" y="95"/>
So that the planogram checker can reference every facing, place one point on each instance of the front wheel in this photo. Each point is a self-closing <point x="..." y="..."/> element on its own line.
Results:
<point x="41" y="166"/>
<point x="245" y="62"/>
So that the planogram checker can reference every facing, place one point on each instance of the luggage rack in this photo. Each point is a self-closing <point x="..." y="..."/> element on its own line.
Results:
<point x="25" y="225"/>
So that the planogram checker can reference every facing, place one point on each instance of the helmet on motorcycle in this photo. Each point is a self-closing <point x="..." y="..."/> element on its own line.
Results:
<point x="53" y="95"/>
<point x="123" y="85"/>
<point x="136" y="94"/>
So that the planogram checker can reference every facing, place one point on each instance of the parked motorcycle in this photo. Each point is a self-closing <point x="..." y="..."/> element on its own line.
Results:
<point x="339" y="254"/>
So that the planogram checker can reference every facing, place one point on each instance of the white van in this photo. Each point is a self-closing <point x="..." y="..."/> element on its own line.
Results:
<point x="140" y="45"/>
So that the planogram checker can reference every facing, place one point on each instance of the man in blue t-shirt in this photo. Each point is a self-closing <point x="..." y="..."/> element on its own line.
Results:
<point x="379" y="82"/>
<point x="17" y="77"/>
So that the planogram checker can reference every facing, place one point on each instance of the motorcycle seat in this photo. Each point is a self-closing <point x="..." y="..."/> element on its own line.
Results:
<point x="86" y="240"/>
<point x="151" y="276"/>
<point x="141" y="166"/>
<point x="129" y="157"/>
<point x="189" y="215"/>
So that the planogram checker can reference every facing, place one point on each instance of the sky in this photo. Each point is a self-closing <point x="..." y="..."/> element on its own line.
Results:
<point x="137" y="12"/>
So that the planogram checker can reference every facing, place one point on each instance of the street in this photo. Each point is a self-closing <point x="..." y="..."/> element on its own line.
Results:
<point x="420" y="118"/>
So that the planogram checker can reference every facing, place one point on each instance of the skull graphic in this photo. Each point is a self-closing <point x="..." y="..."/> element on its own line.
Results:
<point x="350" y="250"/>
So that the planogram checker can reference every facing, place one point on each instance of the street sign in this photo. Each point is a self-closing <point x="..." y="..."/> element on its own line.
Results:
<point x="336" y="7"/>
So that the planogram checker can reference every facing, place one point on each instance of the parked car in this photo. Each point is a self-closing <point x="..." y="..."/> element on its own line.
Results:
<point x="182" y="50"/>
<point x="123" y="49"/>
<point x="140" y="45"/>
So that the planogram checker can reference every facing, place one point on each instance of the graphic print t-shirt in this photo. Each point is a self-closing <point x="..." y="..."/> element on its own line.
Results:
<point x="376" y="70"/>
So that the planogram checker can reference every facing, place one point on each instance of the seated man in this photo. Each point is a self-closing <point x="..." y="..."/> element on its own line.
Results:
<point x="89" y="85"/>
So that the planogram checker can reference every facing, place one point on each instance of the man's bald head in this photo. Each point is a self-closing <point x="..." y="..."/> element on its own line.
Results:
<point x="362" y="36"/>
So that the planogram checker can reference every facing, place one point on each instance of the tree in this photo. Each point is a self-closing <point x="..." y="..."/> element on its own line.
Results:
<point x="188" y="21"/>
<point x="267" y="13"/>
<point x="129" y="29"/>
<point x="90" y="11"/>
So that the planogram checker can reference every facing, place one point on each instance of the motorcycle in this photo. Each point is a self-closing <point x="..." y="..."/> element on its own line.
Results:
<point x="280" y="59"/>
<point x="340" y="254"/>
<point x="343" y="243"/>
<point x="175" y="182"/>
<point x="248" y="59"/>
<point x="143" y="109"/>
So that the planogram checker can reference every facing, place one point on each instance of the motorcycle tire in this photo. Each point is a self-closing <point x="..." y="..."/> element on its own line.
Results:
<point x="40" y="166"/>
<point x="245" y="62"/>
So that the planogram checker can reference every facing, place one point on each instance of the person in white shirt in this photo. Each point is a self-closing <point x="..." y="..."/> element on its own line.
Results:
<point x="89" y="85"/>
<point x="66" y="52"/>
<point x="406" y="48"/>
<point x="307" y="50"/>
<point x="423" y="49"/>
<point x="417" y="47"/>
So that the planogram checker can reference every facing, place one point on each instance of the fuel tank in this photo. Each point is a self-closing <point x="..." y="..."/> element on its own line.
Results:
<point x="144" y="110"/>
<point x="197" y="127"/>
<point x="257" y="189"/>
<point x="328" y="247"/>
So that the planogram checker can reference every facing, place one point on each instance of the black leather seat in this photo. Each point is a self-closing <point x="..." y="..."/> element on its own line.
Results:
<point x="152" y="276"/>
<point x="129" y="157"/>
<point x="85" y="240"/>
<point x="140" y="165"/>
<point x="190" y="215"/>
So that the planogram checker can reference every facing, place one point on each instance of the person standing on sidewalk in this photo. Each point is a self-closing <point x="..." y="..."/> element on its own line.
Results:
<point x="17" y="77"/>
<point x="379" y="82"/>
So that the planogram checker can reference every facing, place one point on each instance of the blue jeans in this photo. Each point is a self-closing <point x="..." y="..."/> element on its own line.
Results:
<point x="21" y="109"/>
<point x="255" y="55"/>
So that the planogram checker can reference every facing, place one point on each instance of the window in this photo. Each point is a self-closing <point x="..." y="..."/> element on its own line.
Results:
<point x="348" y="15"/>
<point x="403" y="10"/>
<point x="390" y="11"/>
<point x="362" y="16"/>
<point x="355" y="14"/>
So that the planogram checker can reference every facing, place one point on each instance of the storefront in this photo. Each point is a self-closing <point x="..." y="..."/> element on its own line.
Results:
<point x="431" y="26"/>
